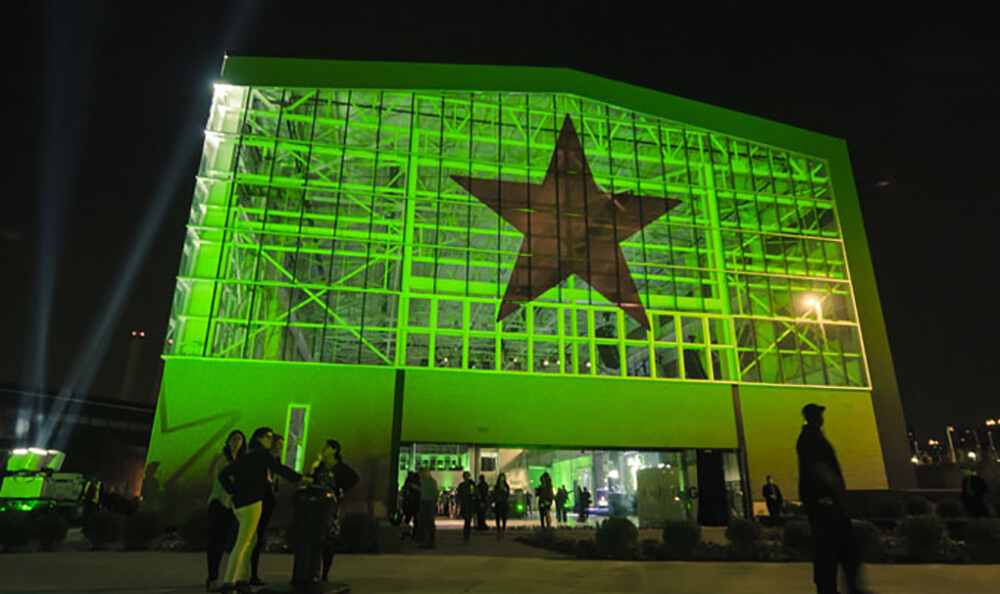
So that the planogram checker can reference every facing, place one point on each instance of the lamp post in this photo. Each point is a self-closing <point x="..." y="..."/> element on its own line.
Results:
<point x="989" y="434"/>
<point x="951" y="445"/>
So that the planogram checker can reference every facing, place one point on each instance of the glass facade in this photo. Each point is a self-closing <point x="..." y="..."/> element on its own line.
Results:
<point x="326" y="227"/>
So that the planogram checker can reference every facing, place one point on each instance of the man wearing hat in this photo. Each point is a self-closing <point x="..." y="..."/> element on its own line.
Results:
<point x="821" y="488"/>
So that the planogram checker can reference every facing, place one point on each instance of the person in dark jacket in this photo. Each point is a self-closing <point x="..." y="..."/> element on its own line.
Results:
<point x="410" y="502"/>
<point x="821" y="489"/>
<point x="974" y="490"/>
<point x="501" y="503"/>
<point x="545" y="497"/>
<point x="266" y="511"/>
<point x="482" y="502"/>
<point x="329" y="472"/>
<point x="584" y="504"/>
<point x="221" y="521"/>
<point x="562" y="496"/>
<point x="773" y="499"/>
<point x="246" y="480"/>
<point x="466" y="494"/>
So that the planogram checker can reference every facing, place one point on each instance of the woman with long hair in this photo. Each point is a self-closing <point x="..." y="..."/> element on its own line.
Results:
<point x="331" y="473"/>
<point x="220" y="516"/>
<point x="501" y="503"/>
<point x="247" y="482"/>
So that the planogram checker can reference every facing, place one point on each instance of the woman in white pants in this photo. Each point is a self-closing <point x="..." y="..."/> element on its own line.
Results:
<point x="247" y="481"/>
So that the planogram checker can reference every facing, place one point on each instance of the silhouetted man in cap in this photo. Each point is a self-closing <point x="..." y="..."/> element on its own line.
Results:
<point x="821" y="488"/>
<point x="774" y="499"/>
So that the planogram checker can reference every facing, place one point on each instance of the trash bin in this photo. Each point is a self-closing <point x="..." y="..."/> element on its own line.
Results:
<point x="313" y="506"/>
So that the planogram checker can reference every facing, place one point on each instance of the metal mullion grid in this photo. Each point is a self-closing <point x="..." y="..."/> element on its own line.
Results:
<point x="694" y="213"/>
<point x="406" y="243"/>
<point x="740" y="278"/>
<point x="619" y="321"/>
<point x="263" y="228"/>
<point x="784" y="262"/>
<point x="642" y="238"/>
<point x="805" y="263"/>
<point x="209" y="332"/>
<point x="371" y="224"/>
<point x="333" y="241"/>
<point x="302" y="210"/>
<point x="431" y="342"/>
<point x="767" y="279"/>
<point x="498" y="324"/>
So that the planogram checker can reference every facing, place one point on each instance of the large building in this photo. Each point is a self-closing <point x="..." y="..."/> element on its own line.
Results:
<point x="522" y="270"/>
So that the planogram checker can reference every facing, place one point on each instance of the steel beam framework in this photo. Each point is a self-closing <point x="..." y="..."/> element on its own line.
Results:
<point x="325" y="227"/>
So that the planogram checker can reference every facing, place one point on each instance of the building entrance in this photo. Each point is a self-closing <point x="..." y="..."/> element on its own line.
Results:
<point x="648" y="486"/>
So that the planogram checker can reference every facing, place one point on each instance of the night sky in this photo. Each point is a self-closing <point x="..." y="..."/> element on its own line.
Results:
<point x="106" y="102"/>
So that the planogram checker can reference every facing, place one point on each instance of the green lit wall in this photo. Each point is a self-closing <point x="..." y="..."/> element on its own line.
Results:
<point x="326" y="228"/>
<point x="329" y="247"/>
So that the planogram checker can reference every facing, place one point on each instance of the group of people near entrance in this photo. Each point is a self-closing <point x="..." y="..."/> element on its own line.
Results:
<point x="246" y="476"/>
<point x="420" y="502"/>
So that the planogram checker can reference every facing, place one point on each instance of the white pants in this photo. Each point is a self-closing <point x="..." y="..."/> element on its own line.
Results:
<point x="238" y="567"/>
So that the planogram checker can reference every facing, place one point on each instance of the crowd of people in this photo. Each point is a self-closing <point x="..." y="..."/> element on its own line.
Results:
<point x="421" y="501"/>
<point x="246" y="476"/>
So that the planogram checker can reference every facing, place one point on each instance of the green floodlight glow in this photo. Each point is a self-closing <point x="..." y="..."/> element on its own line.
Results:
<point x="326" y="227"/>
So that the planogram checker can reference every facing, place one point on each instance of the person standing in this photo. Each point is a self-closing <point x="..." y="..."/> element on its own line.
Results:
<point x="562" y="496"/>
<point x="545" y="498"/>
<point x="466" y="494"/>
<point x="482" y="502"/>
<point x="331" y="473"/>
<point x="246" y="481"/>
<point x="266" y="511"/>
<point x="501" y="503"/>
<point x="773" y="499"/>
<point x="584" y="504"/>
<point x="221" y="520"/>
<point x="427" y="534"/>
<point x="822" y="489"/>
<point x="410" y="504"/>
<point x="974" y="490"/>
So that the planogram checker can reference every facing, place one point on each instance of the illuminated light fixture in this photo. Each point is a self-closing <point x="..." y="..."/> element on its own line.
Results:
<point x="545" y="362"/>
<point x="20" y="451"/>
<point x="588" y="364"/>
<point x="972" y="455"/>
<point x="990" y="422"/>
<point x="915" y="460"/>
<point x="613" y="473"/>
<point x="38" y="451"/>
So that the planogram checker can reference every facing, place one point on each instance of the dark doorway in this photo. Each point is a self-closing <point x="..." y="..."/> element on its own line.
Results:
<point x="712" y="508"/>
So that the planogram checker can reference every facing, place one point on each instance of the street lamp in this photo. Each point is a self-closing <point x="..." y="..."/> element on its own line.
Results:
<point x="951" y="445"/>
<point x="814" y="303"/>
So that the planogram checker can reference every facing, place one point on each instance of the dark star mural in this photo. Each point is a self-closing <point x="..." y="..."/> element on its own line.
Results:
<point x="570" y="226"/>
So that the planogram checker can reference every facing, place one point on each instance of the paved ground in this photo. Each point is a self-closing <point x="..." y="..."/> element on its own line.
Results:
<point x="484" y="565"/>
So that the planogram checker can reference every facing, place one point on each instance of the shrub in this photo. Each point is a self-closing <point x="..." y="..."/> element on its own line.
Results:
<point x="889" y="507"/>
<point x="918" y="506"/>
<point x="193" y="531"/>
<point x="651" y="548"/>
<point x="949" y="509"/>
<point x="744" y="535"/>
<point x="103" y="528"/>
<point x="15" y="530"/>
<point x="49" y="530"/>
<point x="587" y="548"/>
<point x="868" y="540"/>
<point x="923" y="538"/>
<point x="617" y="538"/>
<point x="982" y="540"/>
<point x="142" y="529"/>
<point x="357" y="533"/>
<point x="680" y="539"/>
<point x="797" y="540"/>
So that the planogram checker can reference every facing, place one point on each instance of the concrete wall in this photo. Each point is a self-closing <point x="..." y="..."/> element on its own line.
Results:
<point x="564" y="411"/>
<point x="772" y="421"/>
<point x="201" y="401"/>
